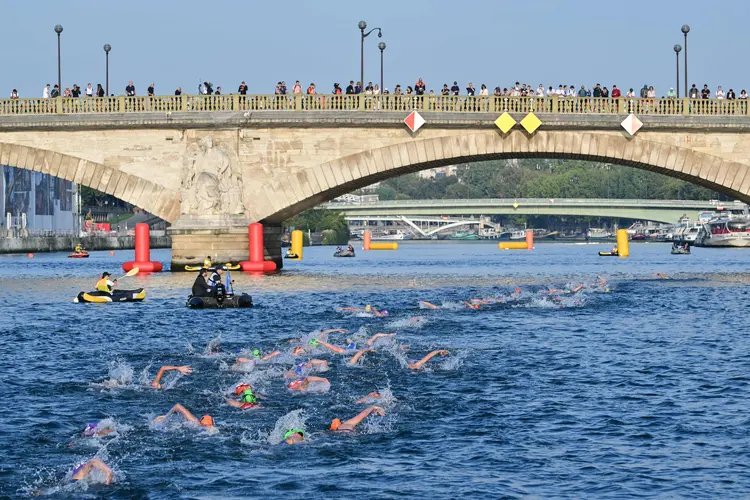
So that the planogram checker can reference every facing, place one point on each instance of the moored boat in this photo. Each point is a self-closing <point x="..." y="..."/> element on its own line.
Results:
<point x="725" y="232"/>
<point x="98" y="297"/>
<point x="79" y="255"/>
<point x="242" y="300"/>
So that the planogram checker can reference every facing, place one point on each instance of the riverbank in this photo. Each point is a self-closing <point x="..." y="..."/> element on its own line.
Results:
<point x="36" y="244"/>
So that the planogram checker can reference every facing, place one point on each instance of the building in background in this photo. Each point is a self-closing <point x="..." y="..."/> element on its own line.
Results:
<point x="50" y="204"/>
<point x="432" y="173"/>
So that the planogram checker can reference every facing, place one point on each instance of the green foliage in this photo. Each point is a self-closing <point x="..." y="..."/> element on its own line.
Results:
<point x="539" y="178"/>
<point x="332" y="224"/>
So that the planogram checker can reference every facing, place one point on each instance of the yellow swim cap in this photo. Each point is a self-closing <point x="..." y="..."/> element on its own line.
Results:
<point x="367" y="307"/>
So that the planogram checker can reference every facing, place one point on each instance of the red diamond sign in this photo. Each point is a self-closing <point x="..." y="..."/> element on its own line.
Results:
<point x="414" y="121"/>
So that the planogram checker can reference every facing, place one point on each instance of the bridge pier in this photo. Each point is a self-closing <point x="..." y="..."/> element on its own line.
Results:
<point x="222" y="237"/>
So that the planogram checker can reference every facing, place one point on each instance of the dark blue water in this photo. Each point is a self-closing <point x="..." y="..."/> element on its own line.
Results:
<point x="636" y="388"/>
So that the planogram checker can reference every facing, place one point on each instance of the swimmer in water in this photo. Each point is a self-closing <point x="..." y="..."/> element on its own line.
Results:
<point x="480" y="301"/>
<point x="372" y="310"/>
<point x="205" y="420"/>
<point x="417" y="365"/>
<point x="359" y="354"/>
<point x="185" y="370"/>
<point x="352" y="423"/>
<point x="241" y="361"/>
<point x="248" y="398"/>
<point x="302" y="385"/>
<point x="304" y="368"/>
<point x="98" y="429"/>
<point x="470" y="305"/>
<point x="370" y="398"/>
<point x="294" y="436"/>
<point x="662" y="276"/>
<point x="323" y="334"/>
<point x="336" y="349"/>
<point x="377" y="336"/>
<point x="84" y="470"/>
<point x="429" y="305"/>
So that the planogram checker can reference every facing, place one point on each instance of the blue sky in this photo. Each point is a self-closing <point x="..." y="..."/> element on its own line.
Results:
<point x="484" y="41"/>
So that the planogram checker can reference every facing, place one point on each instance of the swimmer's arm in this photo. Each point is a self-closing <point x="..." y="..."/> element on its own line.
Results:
<point x="331" y="347"/>
<point x="334" y="330"/>
<point x="178" y="408"/>
<point x="356" y="420"/>
<point x="241" y="360"/>
<point x="479" y="301"/>
<point x="312" y="378"/>
<point x="369" y="397"/>
<point x="421" y="362"/>
<point x="232" y="402"/>
<point x="430" y="305"/>
<point x="318" y="362"/>
<point x="379" y="336"/>
<point x="185" y="370"/>
<point x="359" y="354"/>
<point x="271" y="355"/>
<point x="97" y="464"/>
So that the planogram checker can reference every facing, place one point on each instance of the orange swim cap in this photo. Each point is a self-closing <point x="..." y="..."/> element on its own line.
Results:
<point x="241" y="388"/>
<point x="335" y="424"/>
<point x="207" y="421"/>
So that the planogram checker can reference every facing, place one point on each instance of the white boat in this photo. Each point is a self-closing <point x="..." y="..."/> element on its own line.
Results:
<point x="596" y="233"/>
<point x="731" y="231"/>
<point x="520" y="234"/>
<point x="397" y="235"/>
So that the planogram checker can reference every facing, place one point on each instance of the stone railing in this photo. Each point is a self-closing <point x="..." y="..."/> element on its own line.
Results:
<point x="374" y="103"/>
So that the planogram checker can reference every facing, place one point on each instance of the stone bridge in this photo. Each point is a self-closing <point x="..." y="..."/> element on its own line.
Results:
<point x="210" y="165"/>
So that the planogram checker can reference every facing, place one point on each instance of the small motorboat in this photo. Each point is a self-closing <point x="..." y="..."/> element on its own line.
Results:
<point x="227" y="266"/>
<point x="242" y="300"/>
<point x="344" y="253"/>
<point x="291" y="255"/>
<point x="98" y="297"/>
<point x="680" y="251"/>
<point x="79" y="255"/>
<point x="608" y="254"/>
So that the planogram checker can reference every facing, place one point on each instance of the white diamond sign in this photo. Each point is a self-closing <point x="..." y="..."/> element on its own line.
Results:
<point x="414" y="121"/>
<point x="631" y="124"/>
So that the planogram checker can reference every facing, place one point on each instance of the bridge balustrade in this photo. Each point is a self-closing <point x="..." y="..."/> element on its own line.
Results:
<point x="376" y="103"/>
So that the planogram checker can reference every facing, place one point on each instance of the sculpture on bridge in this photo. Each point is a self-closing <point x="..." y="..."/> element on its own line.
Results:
<point x="211" y="181"/>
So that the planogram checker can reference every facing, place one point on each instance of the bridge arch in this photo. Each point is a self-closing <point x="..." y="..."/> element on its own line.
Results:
<point x="334" y="178"/>
<point x="137" y="191"/>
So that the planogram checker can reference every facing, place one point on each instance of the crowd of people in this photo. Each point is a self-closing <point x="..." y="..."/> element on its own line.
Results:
<point x="419" y="88"/>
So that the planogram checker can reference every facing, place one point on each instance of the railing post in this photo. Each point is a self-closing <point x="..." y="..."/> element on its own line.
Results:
<point x="184" y="102"/>
<point x="121" y="104"/>
<point x="298" y="102"/>
<point x="686" y="106"/>
<point x="621" y="105"/>
<point x="361" y="101"/>
<point x="235" y="102"/>
<point x="58" y="104"/>
<point x="555" y="104"/>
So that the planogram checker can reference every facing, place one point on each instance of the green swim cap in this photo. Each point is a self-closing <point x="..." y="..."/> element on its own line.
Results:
<point x="292" y="432"/>
<point x="248" y="396"/>
<point x="313" y="342"/>
<point x="256" y="353"/>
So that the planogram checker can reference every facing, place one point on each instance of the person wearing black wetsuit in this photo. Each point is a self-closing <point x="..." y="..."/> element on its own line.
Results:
<point x="200" y="287"/>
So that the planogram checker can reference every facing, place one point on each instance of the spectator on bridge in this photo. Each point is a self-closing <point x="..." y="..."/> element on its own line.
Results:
<point x="671" y="94"/>
<point x="446" y="90"/>
<point x="89" y="90"/>
<point x="597" y="91"/>
<point x="720" y="93"/>
<point x="644" y="91"/>
<point x="582" y="92"/>
<point x="336" y="88"/>
<point x="76" y="92"/>
<point x="297" y="89"/>
<point x="368" y="88"/>
<point x="470" y="89"/>
<point x="349" y="88"/>
<point x="694" y="92"/>
<point x="130" y="89"/>
<point x="743" y="94"/>
<point x="483" y="91"/>
<point x="455" y="89"/>
<point x="706" y="92"/>
<point x="615" y="92"/>
<point x="67" y="92"/>
<point x="45" y="92"/>
<point x="420" y="87"/>
<point x="409" y="91"/>
<point x="14" y="94"/>
<point x="358" y="88"/>
<point x="572" y="91"/>
<point x="218" y="91"/>
<point x="651" y="93"/>
<point x="242" y="89"/>
<point x="99" y="90"/>
<point x="540" y="91"/>
<point x="605" y="92"/>
<point x="55" y="91"/>
<point x="150" y="89"/>
<point x="311" y="89"/>
<point x="731" y="95"/>
<point x="630" y="94"/>
<point x="178" y="91"/>
<point x="376" y="90"/>
<point x="397" y="90"/>
<point x="282" y="88"/>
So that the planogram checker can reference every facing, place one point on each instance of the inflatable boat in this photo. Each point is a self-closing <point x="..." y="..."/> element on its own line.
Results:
<point x="78" y="255"/>
<point x="608" y="254"/>
<point x="136" y="295"/>
<point x="228" y="302"/>
<point x="344" y="253"/>
<point x="291" y="255"/>
<point x="681" y="251"/>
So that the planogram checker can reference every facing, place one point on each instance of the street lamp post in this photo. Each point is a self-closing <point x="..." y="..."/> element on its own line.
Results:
<point x="677" y="50"/>
<point x="362" y="27"/>
<point x="58" y="30"/>
<point x="685" y="30"/>
<point x="381" y="46"/>
<point x="107" y="48"/>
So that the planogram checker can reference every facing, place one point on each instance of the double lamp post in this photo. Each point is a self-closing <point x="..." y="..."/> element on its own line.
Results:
<point x="107" y="48"/>
<point x="362" y="27"/>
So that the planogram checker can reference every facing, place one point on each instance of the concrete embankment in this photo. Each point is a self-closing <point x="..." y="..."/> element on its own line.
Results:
<point x="36" y="244"/>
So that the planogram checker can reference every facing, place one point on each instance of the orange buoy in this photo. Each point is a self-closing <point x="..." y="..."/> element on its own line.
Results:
<point x="111" y="252"/>
<point x="30" y="256"/>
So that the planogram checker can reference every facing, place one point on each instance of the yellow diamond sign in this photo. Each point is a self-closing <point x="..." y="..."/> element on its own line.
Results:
<point x="531" y="123"/>
<point x="505" y="122"/>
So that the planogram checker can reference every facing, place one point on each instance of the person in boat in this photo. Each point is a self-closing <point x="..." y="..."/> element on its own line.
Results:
<point x="201" y="287"/>
<point x="614" y="250"/>
<point x="105" y="284"/>
<point x="84" y="470"/>
<point x="349" y="425"/>
<point x="184" y="370"/>
<point x="418" y="365"/>
<point x="215" y="276"/>
<point x="78" y="248"/>
<point x="248" y="398"/>
<point x="338" y="249"/>
<point x="207" y="262"/>
<point x="205" y="421"/>
<point x="350" y="248"/>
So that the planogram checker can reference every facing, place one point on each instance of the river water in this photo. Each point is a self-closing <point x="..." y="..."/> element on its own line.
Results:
<point x="636" y="387"/>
